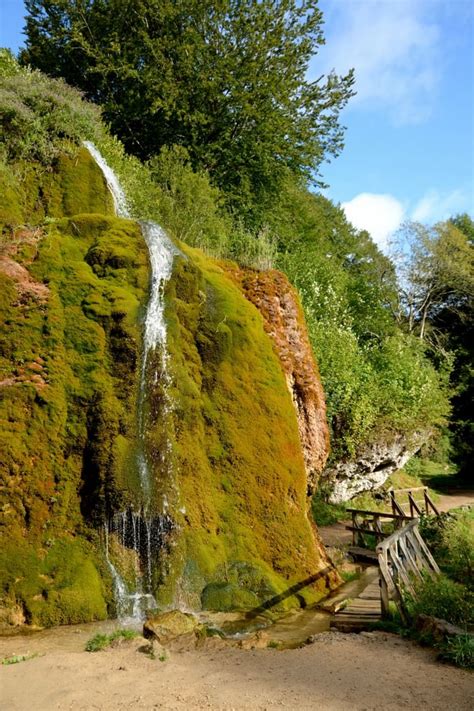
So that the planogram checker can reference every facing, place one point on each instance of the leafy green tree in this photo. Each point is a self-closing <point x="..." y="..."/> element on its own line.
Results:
<point x="457" y="328"/>
<point x="437" y="277"/>
<point x="377" y="378"/>
<point x="227" y="80"/>
<point x="437" y="273"/>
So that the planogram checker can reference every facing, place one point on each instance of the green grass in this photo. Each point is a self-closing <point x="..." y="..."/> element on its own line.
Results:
<point x="439" y="476"/>
<point x="273" y="644"/>
<point x="17" y="658"/>
<point x="459" y="650"/>
<point x="102" y="641"/>
<point x="324" y="513"/>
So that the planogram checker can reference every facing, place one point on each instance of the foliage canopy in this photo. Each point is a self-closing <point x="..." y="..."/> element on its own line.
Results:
<point x="227" y="80"/>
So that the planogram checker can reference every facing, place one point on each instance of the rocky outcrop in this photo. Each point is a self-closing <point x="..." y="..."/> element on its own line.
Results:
<point x="371" y="468"/>
<point x="284" y="322"/>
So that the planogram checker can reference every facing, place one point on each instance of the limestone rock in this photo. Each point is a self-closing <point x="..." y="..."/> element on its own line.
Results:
<point x="371" y="468"/>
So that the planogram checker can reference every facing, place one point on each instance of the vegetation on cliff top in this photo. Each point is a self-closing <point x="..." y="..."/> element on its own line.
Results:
<point x="228" y="81"/>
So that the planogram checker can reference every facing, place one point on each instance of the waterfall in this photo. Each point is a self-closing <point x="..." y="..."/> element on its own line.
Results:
<point x="162" y="252"/>
<point x="140" y="530"/>
<point x="120" y="201"/>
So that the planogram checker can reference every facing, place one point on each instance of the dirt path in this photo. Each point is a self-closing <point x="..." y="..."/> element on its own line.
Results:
<point x="336" y="673"/>
<point x="336" y="534"/>
<point x="455" y="498"/>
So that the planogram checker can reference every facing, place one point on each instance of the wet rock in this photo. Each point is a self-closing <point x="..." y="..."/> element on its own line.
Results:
<point x="168" y="625"/>
<point x="436" y="628"/>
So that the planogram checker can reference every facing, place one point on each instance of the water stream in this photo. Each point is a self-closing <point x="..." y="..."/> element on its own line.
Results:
<point x="142" y="529"/>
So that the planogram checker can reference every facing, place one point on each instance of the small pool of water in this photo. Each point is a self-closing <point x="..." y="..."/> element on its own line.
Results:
<point x="292" y="629"/>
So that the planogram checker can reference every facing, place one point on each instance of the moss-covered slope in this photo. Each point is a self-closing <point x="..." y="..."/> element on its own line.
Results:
<point x="72" y="289"/>
<point x="244" y="537"/>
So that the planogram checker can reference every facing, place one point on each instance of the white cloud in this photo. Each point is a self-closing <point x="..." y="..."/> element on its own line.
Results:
<point x="380" y="215"/>
<point x="394" y="47"/>
<point x="435" y="206"/>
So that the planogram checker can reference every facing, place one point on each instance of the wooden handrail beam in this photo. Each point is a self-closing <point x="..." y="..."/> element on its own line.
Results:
<point x="404" y="491"/>
<point x="383" y="514"/>
<point x="402" y="556"/>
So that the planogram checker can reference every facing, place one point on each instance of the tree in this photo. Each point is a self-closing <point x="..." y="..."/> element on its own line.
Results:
<point x="436" y="268"/>
<point x="458" y="331"/>
<point x="437" y="278"/>
<point x="225" y="79"/>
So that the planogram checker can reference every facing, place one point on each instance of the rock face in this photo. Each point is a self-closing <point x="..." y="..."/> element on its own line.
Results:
<point x="372" y="467"/>
<point x="279" y="305"/>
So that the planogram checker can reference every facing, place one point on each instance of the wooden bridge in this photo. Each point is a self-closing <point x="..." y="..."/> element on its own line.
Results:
<point x="380" y="524"/>
<point x="401" y="556"/>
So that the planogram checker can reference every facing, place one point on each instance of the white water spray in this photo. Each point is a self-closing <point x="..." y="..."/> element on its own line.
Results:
<point x="141" y="531"/>
<point x="162" y="253"/>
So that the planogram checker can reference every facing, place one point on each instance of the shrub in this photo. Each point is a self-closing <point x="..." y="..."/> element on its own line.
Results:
<point x="377" y="379"/>
<point x="38" y="113"/>
<point x="451" y="539"/>
<point x="443" y="598"/>
<point x="324" y="513"/>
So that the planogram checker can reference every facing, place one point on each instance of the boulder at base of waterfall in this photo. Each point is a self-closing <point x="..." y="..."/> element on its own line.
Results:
<point x="168" y="625"/>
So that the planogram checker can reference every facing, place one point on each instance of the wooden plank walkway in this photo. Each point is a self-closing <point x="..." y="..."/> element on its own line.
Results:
<point x="361" y="612"/>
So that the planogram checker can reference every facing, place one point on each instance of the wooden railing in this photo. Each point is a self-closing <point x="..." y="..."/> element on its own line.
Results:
<point x="370" y="522"/>
<point x="418" y="506"/>
<point x="403" y="557"/>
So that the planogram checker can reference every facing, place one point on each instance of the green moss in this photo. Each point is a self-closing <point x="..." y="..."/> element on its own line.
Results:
<point x="11" y="212"/>
<point x="61" y="584"/>
<point x="69" y="357"/>
<point x="227" y="596"/>
<point x="72" y="184"/>
<point x="236" y="448"/>
<point x="226" y="454"/>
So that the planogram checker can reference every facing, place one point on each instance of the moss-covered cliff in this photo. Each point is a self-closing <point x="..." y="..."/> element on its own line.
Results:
<point x="74" y="290"/>
<point x="244" y="536"/>
<point x="226" y="506"/>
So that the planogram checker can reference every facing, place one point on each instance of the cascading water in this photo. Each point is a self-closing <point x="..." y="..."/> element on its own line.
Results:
<point x="141" y="530"/>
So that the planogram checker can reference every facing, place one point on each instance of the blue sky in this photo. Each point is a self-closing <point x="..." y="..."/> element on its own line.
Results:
<point x="409" y="150"/>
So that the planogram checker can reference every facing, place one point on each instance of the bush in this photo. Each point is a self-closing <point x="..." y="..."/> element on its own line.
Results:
<point x="38" y="113"/>
<point x="324" y="513"/>
<point x="451" y="540"/>
<point x="443" y="598"/>
<point x="377" y="379"/>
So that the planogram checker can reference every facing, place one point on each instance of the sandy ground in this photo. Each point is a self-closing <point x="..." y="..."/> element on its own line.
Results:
<point x="336" y="673"/>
